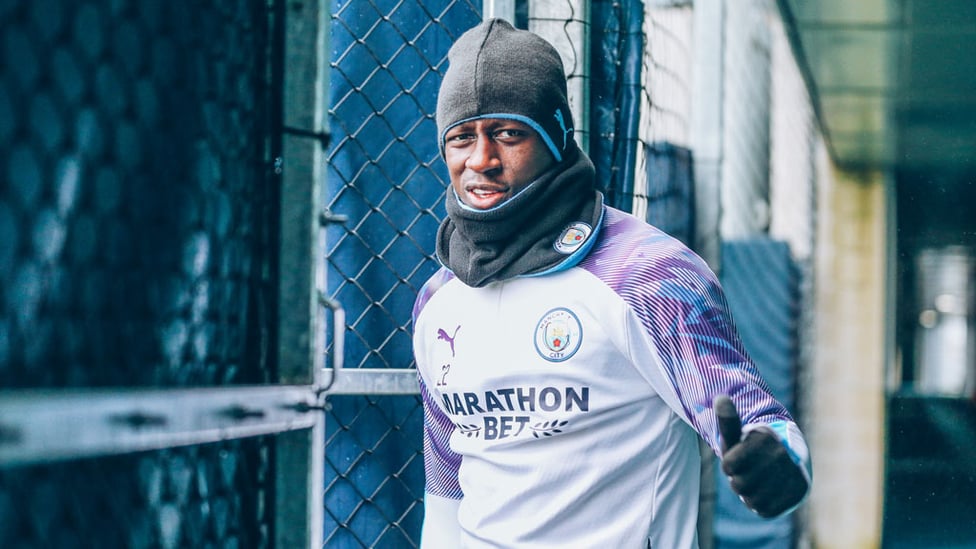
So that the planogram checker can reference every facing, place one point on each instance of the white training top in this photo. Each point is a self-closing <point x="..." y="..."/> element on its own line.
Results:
<point x="565" y="410"/>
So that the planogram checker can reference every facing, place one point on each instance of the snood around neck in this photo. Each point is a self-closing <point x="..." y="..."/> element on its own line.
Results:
<point x="519" y="237"/>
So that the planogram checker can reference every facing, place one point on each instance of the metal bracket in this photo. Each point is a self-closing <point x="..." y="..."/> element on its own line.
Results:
<point x="373" y="381"/>
<point x="322" y="137"/>
<point x="338" y="341"/>
<point x="326" y="217"/>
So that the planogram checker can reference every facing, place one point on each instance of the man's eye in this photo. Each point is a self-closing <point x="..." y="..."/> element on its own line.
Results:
<point x="459" y="138"/>
<point x="508" y="133"/>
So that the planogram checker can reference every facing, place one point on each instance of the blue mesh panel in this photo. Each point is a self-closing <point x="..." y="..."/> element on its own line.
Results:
<point x="386" y="175"/>
<point x="761" y="283"/>
<point x="671" y="190"/>
<point x="617" y="40"/>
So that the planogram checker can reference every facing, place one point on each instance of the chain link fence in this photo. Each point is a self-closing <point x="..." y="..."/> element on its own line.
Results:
<point x="385" y="176"/>
<point x="134" y="226"/>
<point x="664" y="190"/>
<point x="213" y="495"/>
<point x="138" y="233"/>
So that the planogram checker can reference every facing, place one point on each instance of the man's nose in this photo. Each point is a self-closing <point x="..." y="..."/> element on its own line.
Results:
<point x="484" y="155"/>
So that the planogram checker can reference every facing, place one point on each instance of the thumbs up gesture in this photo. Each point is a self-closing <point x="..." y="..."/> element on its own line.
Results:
<point x="759" y="466"/>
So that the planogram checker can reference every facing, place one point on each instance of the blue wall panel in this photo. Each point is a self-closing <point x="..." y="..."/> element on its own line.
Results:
<point x="761" y="282"/>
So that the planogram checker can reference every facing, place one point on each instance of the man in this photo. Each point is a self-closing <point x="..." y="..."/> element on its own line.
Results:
<point x="570" y="355"/>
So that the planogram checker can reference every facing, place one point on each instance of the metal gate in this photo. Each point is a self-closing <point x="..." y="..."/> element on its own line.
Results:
<point x="158" y="307"/>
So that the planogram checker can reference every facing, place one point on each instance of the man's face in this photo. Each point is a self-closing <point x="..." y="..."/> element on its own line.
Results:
<point x="491" y="159"/>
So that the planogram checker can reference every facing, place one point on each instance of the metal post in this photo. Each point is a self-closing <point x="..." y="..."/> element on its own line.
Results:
<point x="502" y="9"/>
<point x="300" y="456"/>
<point x="706" y="125"/>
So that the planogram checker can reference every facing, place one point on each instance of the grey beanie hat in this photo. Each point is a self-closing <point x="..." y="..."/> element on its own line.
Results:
<point x="498" y="71"/>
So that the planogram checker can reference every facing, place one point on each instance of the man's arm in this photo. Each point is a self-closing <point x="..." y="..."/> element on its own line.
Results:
<point x="442" y="495"/>
<point x="684" y="311"/>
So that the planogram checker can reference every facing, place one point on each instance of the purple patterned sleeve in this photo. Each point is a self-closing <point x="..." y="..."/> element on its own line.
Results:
<point x="434" y="283"/>
<point x="681" y="305"/>
<point x="441" y="464"/>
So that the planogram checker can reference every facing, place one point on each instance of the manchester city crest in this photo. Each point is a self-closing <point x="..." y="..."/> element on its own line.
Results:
<point x="558" y="335"/>
<point x="572" y="238"/>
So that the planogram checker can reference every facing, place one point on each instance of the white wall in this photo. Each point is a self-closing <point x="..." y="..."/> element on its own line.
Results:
<point x="845" y="389"/>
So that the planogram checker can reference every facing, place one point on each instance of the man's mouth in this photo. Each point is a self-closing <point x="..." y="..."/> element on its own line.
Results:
<point x="485" y="197"/>
<point x="484" y="193"/>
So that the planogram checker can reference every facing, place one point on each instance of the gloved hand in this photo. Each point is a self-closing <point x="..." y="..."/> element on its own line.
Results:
<point x="759" y="467"/>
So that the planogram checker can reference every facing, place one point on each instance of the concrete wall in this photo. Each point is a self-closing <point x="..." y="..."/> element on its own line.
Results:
<point x="844" y="391"/>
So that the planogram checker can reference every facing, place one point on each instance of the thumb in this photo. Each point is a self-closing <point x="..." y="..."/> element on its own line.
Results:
<point x="729" y="424"/>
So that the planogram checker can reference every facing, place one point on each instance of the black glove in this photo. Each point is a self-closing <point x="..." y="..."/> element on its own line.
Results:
<point x="759" y="467"/>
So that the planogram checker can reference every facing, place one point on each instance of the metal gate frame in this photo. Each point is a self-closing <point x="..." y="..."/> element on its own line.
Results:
<point x="56" y="425"/>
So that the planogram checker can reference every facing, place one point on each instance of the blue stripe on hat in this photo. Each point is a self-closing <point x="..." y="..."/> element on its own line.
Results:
<point x="546" y="138"/>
